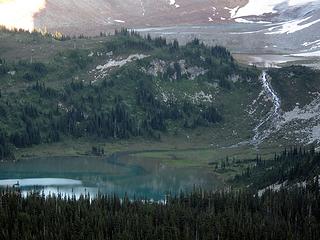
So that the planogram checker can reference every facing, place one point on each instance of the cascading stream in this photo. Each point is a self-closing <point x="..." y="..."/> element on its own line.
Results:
<point x="272" y="116"/>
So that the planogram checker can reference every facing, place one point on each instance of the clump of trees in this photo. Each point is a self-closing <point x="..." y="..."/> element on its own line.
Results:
<point x="97" y="151"/>
<point x="297" y="164"/>
<point x="287" y="214"/>
<point x="6" y="149"/>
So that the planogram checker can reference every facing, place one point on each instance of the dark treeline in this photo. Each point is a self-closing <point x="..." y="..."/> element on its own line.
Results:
<point x="294" y="165"/>
<point x="287" y="214"/>
<point x="39" y="33"/>
<point x="5" y="148"/>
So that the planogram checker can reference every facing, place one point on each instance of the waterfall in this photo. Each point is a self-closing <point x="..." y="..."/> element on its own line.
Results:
<point x="272" y="117"/>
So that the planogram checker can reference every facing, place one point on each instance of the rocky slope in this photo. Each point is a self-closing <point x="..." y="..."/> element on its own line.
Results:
<point x="91" y="17"/>
<point x="287" y="27"/>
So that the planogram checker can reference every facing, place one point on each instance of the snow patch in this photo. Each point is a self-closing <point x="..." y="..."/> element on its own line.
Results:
<point x="119" y="21"/>
<point x="142" y="7"/>
<point x="308" y="112"/>
<point x="102" y="70"/>
<point x="307" y="44"/>
<point x="173" y="3"/>
<point x="120" y="63"/>
<point x="242" y="20"/>
<point x="233" y="11"/>
<point x="292" y="26"/>
<point x="305" y="120"/>
<point x="307" y="54"/>
<point x="311" y="47"/>
<point x="274" y="187"/>
<point x="278" y="186"/>
<point x="259" y="8"/>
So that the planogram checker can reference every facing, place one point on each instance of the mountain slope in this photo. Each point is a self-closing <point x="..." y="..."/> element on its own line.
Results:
<point x="92" y="17"/>
<point x="126" y="86"/>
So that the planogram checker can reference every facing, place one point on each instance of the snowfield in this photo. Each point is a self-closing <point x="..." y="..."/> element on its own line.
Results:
<point x="258" y="7"/>
<point x="292" y="26"/>
<point x="301" y="13"/>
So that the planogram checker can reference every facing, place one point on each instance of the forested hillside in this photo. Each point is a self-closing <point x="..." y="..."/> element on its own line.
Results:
<point x="293" y="167"/>
<point x="159" y="88"/>
<point x="303" y="83"/>
<point x="287" y="214"/>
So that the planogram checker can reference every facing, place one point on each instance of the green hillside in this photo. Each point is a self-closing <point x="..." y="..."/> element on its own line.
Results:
<point x="162" y="89"/>
<point x="295" y="84"/>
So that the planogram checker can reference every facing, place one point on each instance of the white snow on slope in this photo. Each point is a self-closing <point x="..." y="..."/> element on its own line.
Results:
<point x="102" y="70"/>
<point x="308" y="112"/>
<point x="173" y="3"/>
<point x="278" y="186"/>
<point x="280" y="7"/>
<point x="307" y="44"/>
<point x="120" y="63"/>
<point x="312" y="46"/>
<point x="233" y="11"/>
<point x="292" y="26"/>
<point x="307" y="54"/>
<point x="261" y="7"/>
<point x="274" y="187"/>
<point x="307" y="119"/>
<point x="119" y="21"/>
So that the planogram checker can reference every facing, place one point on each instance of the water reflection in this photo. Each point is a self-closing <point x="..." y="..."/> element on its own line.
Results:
<point x="118" y="174"/>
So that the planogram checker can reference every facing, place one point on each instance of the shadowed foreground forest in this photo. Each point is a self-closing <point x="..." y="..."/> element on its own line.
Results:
<point x="292" y="213"/>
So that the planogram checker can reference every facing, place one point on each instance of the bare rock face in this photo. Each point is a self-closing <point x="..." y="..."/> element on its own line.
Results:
<point x="91" y="17"/>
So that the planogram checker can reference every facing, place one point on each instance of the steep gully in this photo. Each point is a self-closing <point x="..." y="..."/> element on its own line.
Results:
<point x="269" y="121"/>
<point x="272" y="116"/>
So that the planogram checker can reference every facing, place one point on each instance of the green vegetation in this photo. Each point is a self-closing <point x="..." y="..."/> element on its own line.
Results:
<point x="287" y="214"/>
<point x="292" y="166"/>
<point x="44" y="102"/>
<point x="295" y="84"/>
